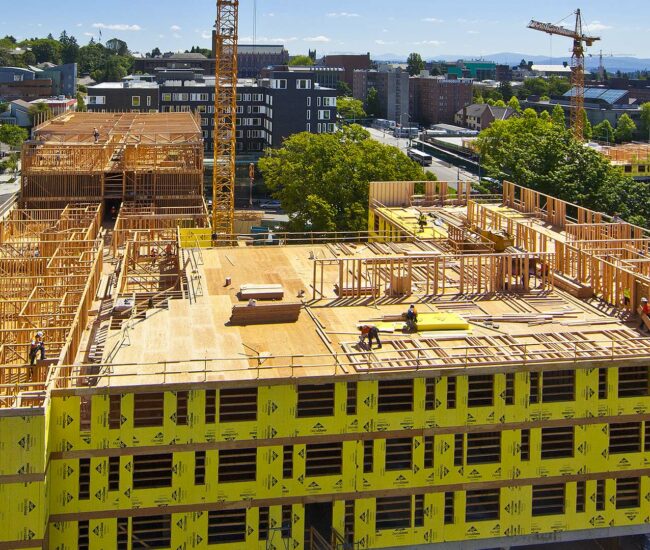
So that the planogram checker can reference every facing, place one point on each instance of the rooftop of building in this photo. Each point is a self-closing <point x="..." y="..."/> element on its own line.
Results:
<point x="131" y="83"/>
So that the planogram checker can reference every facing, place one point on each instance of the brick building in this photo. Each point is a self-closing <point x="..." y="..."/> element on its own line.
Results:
<point x="435" y="100"/>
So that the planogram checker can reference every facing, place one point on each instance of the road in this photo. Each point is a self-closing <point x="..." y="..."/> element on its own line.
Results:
<point x="443" y="170"/>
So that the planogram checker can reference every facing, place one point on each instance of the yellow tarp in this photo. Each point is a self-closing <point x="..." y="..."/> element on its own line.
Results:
<point x="429" y="322"/>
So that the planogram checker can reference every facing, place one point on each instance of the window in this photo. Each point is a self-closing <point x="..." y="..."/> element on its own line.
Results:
<point x="533" y="394"/>
<point x="581" y="496"/>
<point x="210" y="406"/>
<point x="303" y="84"/>
<point x="287" y="462"/>
<point x="263" y="524"/>
<point x="199" y="468"/>
<point x="557" y="442"/>
<point x="151" y="532"/>
<point x="625" y="438"/>
<point x="480" y="391"/>
<point x="237" y="465"/>
<point x="167" y="97"/>
<point x="148" y="410"/>
<point x="83" y="540"/>
<point x="429" y="389"/>
<point x="558" y="386"/>
<point x="113" y="473"/>
<point x="451" y="393"/>
<point x="240" y="110"/>
<point x="368" y="456"/>
<point x="395" y="396"/>
<point x="399" y="454"/>
<point x="308" y="127"/>
<point x="135" y="101"/>
<point x="525" y="445"/>
<point x="628" y="493"/>
<point x="483" y="448"/>
<point x="449" y="509"/>
<point x="351" y="403"/>
<point x="602" y="383"/>
<point x="309" y="102"/>
<point x="226" y="526"/>
<point x="180" y="97"/>
<point x="96" y="100"/>
<point x="315" y="400"/>
<point x="279" y="84"/>
<point x="122" y="533"/>
<point x="257" y="97"/>
<point x="482" y="505"/>
<point x="287" y="517"/>
<point x="393" y="513"/>
<point x="633" y="382"/>
<point x="600" y="495"/>
<point x="510" y="389"/>
<point x="114" y="412"/>
<point x="329" y="102"/>
<point x="323" y="459"/>
<point x="308" y="115"/>
<point x="148" y="101"/>
<point x="181" y="408"/>
<point x="324" y="115"/>
<point x="151" y="471"/>
<point x="418" y="514"/>
<point x="84" y="478"/>
<point x="548" y="500"/>
<point x="459" y="449"/>
<point x="428" y="451"/>
<point x="238" y="405"/>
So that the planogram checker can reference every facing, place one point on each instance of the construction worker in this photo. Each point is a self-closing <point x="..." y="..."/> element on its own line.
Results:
<point x="644" y="311"/>
<point x="627" y="297"/>
<point x="36" y="346"/>
<point x="96" y="134"/>
<point x="412" y="319"/>
<point x="369" y="332"/>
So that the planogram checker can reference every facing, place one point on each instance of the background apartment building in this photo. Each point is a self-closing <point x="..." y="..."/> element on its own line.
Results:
<point x="268" y="110"/>
<point x="349" y="64"/>
<point x="436" y="100"/>
<point x="392" y="87"/>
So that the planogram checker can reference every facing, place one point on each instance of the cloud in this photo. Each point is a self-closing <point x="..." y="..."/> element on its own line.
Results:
<point x="174" y="28"/>
<point x="319" y="38"/>
<point x="432" y="20"/>
<point x="597" y="26"/>
<point x="342" y="14"/>
<point x="80" y="24"/>
<point x="206" y="35"/>
<point x="88" y="34"/>
<point x="117" y="27"/>
<point x="384" y="42"/>
<point x="428" y="43"/>
<point x="270" y="14"/>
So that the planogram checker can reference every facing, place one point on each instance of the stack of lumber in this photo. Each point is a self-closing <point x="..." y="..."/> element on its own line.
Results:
<point x="578" y="290"/>
<point x="522" y="317"/>
<point x="261" y="292"/>
<point x="265" y="314"/>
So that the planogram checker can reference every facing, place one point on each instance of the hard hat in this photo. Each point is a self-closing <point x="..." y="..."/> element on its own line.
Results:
<point x="644" y="299"/>
<point x="39" y="333"/>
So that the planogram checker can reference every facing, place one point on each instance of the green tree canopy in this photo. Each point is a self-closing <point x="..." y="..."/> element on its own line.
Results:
<point x="604" y="131"/>
<point x="69" y="48"/>
<point x="372" y="102"/>
<point x="537" y="153"/>
<point x="46" y="50"/>
<point x="514" y="104"/>
<point x="117" y="46"/>
<point x="343" y="89"/>
<point x="81" y="103"/>
<point x="558" y="116"/>
<point x="506" y="90"/>
<point x="500" y="103"/>
<point x="414" y="64"/>
<point x="625" y="129"/>
<point x="322" y="180"/>
<point x="645" y="118"/>
<point x="12" y="135"/>
<point x="39" y="112"/>
<point x="301" y="61"/>
<point x="350" y="108"/>
<point x="588" y="131"/>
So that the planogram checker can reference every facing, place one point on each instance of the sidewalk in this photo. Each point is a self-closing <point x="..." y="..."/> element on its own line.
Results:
<point x="7" y="187"/>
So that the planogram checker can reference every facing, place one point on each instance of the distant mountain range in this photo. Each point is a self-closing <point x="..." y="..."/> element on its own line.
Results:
<point x="612" y="64"/>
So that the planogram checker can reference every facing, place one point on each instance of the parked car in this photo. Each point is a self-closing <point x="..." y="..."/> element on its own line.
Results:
<point x="270" y="205"/>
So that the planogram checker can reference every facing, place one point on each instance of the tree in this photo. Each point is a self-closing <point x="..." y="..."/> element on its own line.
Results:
<point x="117" y="46"/>
<point x="69" y="48"/>
<point x="91" y="57"/>
<point x="322" y="180"/>
<point x="81" y="103"/>
<point x="514" y="104"/>
<point x="155" y="52"/>
<point x="506" y="90"/>
<point x="588" y="131"/>
<point x="604" y="131"/>
<point x="558" y="116"/>
<point x="301" y="61"/>
<point x="39" y="112"/>
<point x="645" y="119"/>
<point x="343" y="89"/>
<point x="500" y="103"/>
<point x="414" y="64"/>
<point x="625" y="129"/>
<point x="537" y="153"/>
<point x="350" y="108"/>
<point x="372" y="103"/>
<point x="46" y="50"/>
<point x="12" y="135"/>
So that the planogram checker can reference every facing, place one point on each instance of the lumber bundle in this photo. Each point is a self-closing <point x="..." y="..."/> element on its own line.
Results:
<point x="261" y="292"/>
<point x="265" y="314"/>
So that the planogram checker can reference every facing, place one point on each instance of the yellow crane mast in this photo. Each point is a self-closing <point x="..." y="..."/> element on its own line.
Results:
<point x="580" y="40"/>
<point x="225" y="113"/>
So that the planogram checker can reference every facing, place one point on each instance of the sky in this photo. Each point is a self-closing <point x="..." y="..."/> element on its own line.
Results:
<point x="430" y="27"/>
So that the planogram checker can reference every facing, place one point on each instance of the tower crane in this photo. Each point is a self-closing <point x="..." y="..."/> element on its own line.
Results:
<point x="225" y="113"/>
<point x="580" y="40"/>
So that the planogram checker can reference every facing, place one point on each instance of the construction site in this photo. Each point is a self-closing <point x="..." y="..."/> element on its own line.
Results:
<point x="472" y="371"/>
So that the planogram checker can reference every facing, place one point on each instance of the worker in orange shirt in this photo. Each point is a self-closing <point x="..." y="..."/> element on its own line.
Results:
<point x="644" y="311"/>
